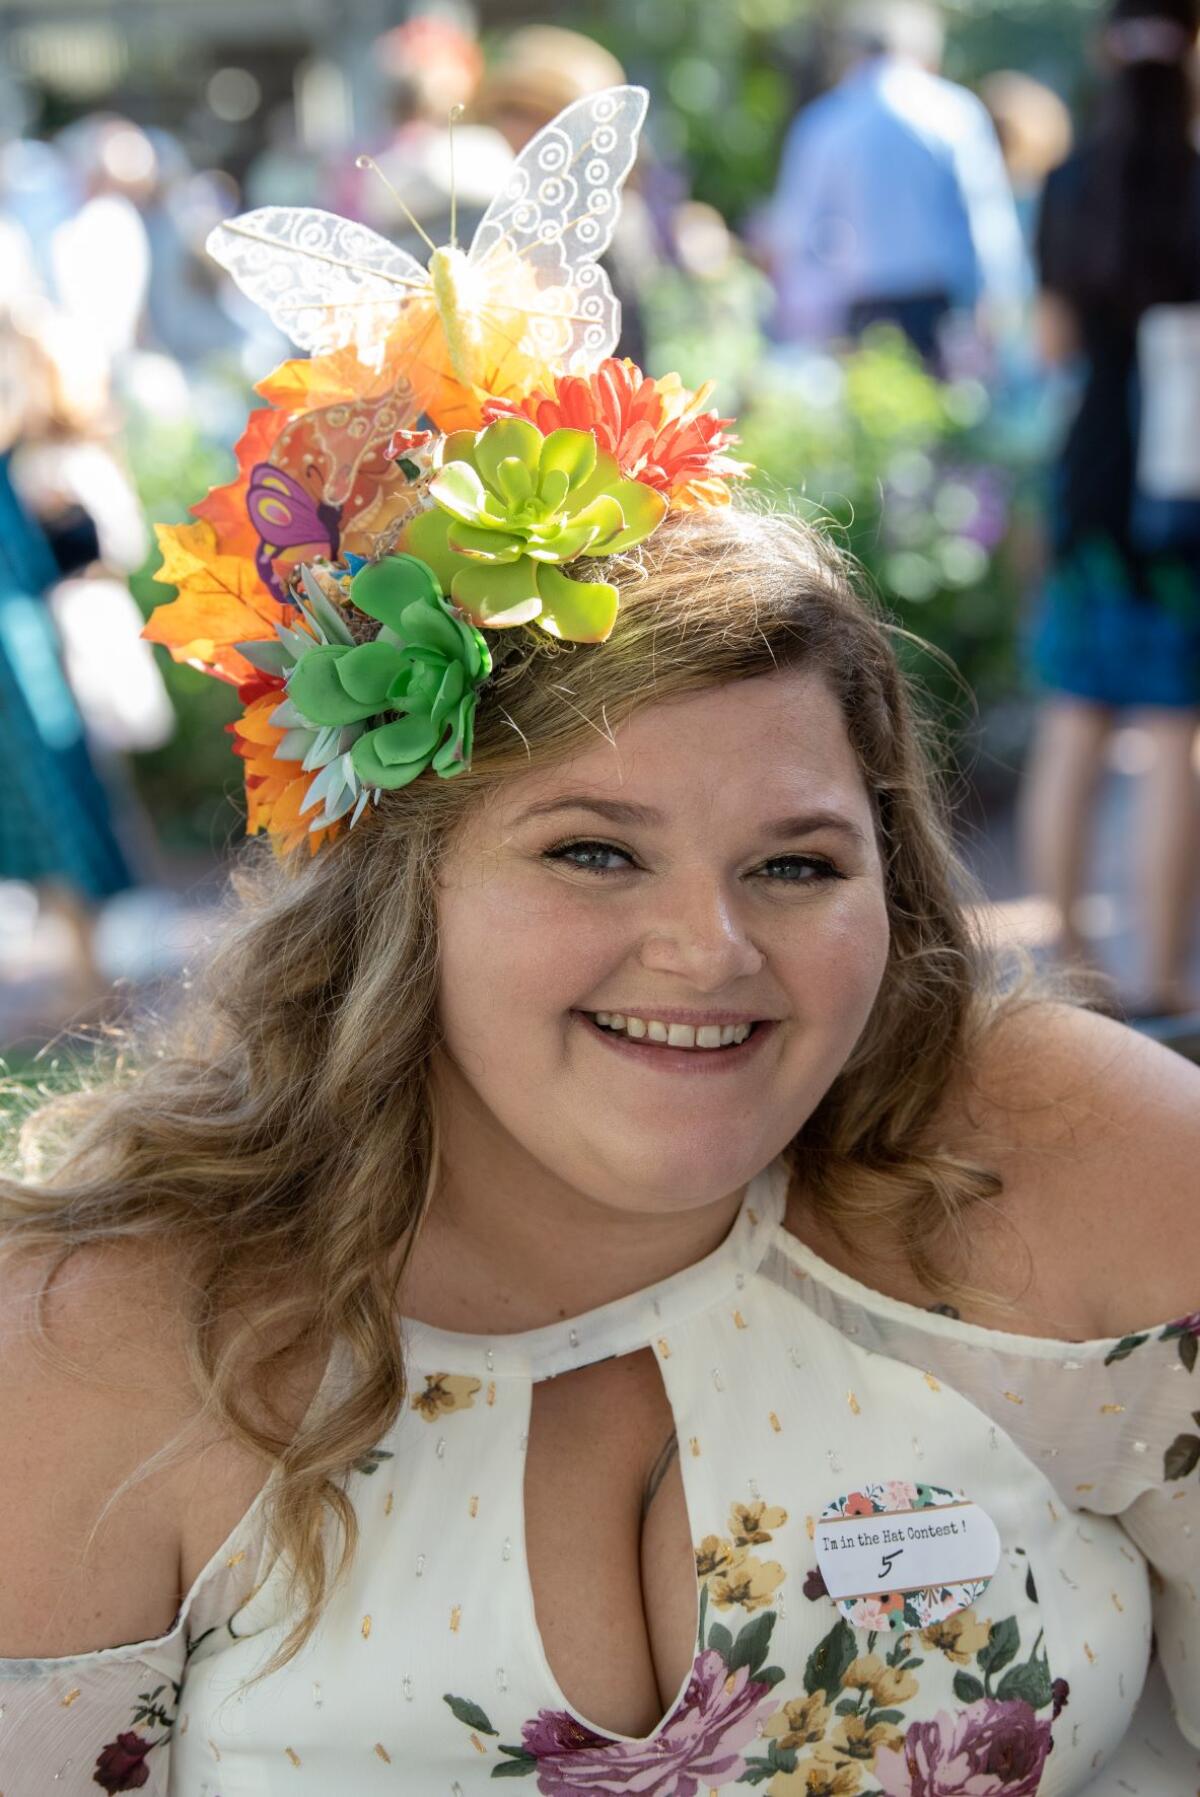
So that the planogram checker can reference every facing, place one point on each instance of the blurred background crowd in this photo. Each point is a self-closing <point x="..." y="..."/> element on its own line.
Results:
<point x="943" y="264"/>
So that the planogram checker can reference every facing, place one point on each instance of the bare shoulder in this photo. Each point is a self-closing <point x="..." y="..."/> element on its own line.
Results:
<point x="1095" y="1131"/>
<point x="101" y="1391"/>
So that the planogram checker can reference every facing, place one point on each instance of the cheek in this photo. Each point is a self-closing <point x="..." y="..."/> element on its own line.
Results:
<point x="833" y="973"/>
<point x="509" y="953"/>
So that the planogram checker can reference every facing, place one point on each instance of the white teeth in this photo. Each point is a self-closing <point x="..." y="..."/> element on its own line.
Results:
<point x="675" y="1035"/>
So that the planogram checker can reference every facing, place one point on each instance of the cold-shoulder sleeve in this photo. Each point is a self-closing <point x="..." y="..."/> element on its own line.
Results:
<point x="1149" y="1478"/>
<point x="79" y="1724"/>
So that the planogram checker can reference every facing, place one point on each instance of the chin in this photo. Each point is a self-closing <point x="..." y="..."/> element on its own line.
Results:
<point x="682" y="1170"/>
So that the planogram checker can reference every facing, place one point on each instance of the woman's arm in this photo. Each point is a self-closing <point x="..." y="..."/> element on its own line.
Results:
<point x="84" y="1565"/>
<point x="75" y="1578"/>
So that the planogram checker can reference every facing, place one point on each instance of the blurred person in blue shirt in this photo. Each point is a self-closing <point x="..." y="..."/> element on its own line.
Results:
<point x="893" y="202"/>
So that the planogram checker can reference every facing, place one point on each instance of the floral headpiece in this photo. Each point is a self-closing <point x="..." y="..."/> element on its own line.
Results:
<point x="455" y="450"/>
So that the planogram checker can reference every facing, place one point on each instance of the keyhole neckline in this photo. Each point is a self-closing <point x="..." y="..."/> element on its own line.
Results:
<point x="625" y="1324"/>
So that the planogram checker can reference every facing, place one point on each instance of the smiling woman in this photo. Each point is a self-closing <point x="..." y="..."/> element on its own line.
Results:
<point x="474" y="1197"/>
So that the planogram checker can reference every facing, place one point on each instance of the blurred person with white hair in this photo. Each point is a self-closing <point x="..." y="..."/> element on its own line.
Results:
<point x="893" y="204"/>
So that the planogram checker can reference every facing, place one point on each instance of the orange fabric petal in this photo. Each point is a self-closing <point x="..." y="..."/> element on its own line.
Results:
<point x="275" y="790"/>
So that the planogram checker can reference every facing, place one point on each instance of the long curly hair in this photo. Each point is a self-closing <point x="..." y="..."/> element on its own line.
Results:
<point x="276" y="1124"/>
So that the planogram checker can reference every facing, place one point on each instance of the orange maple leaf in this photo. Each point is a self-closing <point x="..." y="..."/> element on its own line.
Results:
<point x="225" y="507"/>
<point x="220" y="601"/>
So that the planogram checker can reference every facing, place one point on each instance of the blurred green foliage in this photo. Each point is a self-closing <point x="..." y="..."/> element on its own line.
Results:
<point x="192" y="785"/>
<point x="916" y="477"/>
<point x="898" y="466"/>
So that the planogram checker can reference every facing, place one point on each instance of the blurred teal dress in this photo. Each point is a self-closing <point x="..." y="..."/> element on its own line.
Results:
<point x="56" y="817"/>
<point x="1118" y="622"/>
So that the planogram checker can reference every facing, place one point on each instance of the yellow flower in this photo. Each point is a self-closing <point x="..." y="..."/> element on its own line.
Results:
<point x="753" y="1522"/>
<point x="819" y="1775"/>
<point x="894" y="1686"/>
<point x="888" y="1685"/>
<point x="443" y="1393"/>
<point x="713" y="1555"/>
<point x="799" y="1723"/>
<point x="746" y="1582"/>
<point x="853" y="1738"/>
<point x="860" y="1674"/>
<point x="959" y="1637"/>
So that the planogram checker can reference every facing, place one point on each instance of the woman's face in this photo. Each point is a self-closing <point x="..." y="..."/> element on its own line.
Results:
<point x="711" y="872"/>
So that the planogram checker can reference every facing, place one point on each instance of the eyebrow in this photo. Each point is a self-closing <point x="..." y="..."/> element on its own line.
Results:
<point x="622" y="811"/>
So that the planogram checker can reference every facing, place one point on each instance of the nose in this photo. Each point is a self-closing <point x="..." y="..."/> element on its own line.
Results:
<point x="699" y="937"/>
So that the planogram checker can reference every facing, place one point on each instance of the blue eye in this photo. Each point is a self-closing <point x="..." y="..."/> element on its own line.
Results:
<point x="591" y="857"/>
<point x="605" y="858"/>
<point x="801" y="870"/>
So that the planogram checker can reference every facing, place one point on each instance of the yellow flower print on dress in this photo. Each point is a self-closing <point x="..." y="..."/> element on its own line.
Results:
<point x="752" y="1523"/>
<point x="887" y="1684"/>
<point x="960" y="1637"/>
<point x="856" y="1738"/>
<point x="749" y="1583"/>
<point x="800" y="1723"/>
<point x="727" y="1573"/>
<point x="820" y="1774"/>
<point x="445" y="1392"/>
<point x="713" y="1555"/>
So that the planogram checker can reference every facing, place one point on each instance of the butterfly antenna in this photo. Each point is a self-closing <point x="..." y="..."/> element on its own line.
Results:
<point x="369" y="162"/>
<point x="456" y="113"/>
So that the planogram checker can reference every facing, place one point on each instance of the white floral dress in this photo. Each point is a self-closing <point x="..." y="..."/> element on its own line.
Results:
<point x="798" y="1394"/>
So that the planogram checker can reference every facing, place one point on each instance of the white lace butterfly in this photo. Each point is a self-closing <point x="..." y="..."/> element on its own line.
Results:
<point x="527" y="300"/>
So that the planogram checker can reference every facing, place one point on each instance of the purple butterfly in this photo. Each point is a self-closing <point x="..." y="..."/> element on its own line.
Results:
<point x="285" y="516"/>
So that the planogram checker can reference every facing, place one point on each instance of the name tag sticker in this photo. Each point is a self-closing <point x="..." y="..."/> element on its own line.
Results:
<point x="903" y="1556"/>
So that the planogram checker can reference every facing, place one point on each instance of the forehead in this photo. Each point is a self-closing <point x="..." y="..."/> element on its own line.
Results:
<point x="758" y="744"/>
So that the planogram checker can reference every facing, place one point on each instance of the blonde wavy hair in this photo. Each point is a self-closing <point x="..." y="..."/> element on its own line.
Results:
<point x="277" y="1126"/>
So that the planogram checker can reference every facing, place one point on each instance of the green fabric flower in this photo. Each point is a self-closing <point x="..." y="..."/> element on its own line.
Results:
<point x="426" y="665"/>
<point x="510" y="506"/>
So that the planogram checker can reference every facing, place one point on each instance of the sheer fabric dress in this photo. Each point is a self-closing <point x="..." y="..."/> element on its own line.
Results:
<point x="792" y="1387"/>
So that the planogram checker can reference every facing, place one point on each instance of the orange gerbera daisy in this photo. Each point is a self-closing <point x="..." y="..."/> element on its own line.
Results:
<point x="275" y="790"/>
<point x="658" y="431"/>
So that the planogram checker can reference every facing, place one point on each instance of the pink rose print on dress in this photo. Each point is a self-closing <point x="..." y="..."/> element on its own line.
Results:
<point x="990" y="1749"/>
<point x="698" y="1748"/>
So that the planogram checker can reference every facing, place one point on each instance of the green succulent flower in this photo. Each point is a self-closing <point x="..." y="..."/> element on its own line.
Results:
<point x="510" y="507"/>
<point x="426" y="666"/>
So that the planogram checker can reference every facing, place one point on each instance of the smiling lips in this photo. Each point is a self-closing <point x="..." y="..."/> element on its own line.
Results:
<point x="673" y="1035"/>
